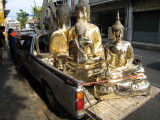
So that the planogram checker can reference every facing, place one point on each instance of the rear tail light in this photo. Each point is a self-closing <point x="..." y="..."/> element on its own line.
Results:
<point x="80" y="102"/>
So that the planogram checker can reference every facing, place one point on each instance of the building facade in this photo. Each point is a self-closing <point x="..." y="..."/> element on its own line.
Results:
<point x="141" y="18"/>
<point x="3" y="12"/>
<point x="12" y="23"/>
<point x="146" y="21"/>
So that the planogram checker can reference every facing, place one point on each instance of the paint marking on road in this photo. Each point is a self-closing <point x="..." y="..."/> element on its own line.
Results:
<point x="156" y="85"/>
<point x="138" y="56"/>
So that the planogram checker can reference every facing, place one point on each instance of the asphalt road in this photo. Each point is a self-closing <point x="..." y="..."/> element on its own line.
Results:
<point x="151" y="62"/>
<point x="23" y="98"/>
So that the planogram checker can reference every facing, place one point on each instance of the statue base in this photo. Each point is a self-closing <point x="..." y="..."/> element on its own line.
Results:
<point x="124" y="88"/>
<point x="89" y="72"/>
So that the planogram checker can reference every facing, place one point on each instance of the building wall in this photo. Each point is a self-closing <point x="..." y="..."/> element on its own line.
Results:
<point x="146" y="21"/>
<point x="1" y="5"/>
<point x="11" y="23"/>
<point x="140" y="18"/>
<point x="72" y="3"/>
<point x="103" y="14"/>
<point x="2" y="20"/>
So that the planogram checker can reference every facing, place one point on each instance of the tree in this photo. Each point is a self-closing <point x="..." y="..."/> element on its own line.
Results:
<point x="22" y="17"/>
<point x="37" y="12"/>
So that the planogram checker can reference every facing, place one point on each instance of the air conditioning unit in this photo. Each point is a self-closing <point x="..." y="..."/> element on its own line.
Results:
<point x="58" y="2"/>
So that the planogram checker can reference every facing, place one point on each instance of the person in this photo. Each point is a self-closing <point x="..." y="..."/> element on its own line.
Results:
<point x="3" y="48"/>
<point x="12" y="45"/>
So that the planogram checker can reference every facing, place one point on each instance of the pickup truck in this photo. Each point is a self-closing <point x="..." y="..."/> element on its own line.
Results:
<point x="61" y="88"/>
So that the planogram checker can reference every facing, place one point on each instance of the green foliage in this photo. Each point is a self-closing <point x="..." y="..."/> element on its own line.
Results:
<point x="22" y="17"/>
<point x="37" y="12"/>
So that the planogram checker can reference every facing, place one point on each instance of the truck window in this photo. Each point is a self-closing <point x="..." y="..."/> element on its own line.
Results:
<point x="27" y="44"/>
<point x="43" y="44"/>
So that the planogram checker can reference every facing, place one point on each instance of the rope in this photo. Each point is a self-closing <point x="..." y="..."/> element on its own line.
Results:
<point x="91" y="83"/>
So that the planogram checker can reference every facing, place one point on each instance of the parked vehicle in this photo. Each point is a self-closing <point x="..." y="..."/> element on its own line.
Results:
<point x="58" y="86"/>
<point x="63" y="89"/>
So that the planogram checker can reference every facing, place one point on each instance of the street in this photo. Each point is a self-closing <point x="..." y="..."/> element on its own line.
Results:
<point x="151" y="62"/>
<point x="22" y="98"/>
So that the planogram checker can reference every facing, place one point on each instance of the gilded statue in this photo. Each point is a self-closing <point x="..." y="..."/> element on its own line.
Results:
<point x="120" y="63"/>
<point x="85" y="46"/>
<point x="90" y="32"/>
<point x="58" y="46"/>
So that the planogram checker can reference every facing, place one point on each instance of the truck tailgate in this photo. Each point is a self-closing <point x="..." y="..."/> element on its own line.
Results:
<point x="117" y="109"/>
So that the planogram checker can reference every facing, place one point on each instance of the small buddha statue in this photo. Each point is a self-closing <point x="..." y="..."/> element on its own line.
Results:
<point x="120" y="63"/>
<point x="58" y="45"/>
<point x="85" y="46"/>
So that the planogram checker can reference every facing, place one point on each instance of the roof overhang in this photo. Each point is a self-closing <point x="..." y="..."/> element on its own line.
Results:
<point x="6" y="12"/>
<point x="102" y="2"/>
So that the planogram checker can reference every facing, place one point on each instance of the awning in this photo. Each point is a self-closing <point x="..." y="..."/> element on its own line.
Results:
<point x="97" y="2"/>
<point x="6" y="12"/>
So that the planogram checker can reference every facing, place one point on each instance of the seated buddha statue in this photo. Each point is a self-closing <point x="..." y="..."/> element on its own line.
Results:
<point x="85" y="45"/>
<point x="58" y="45"/>
<point x="120" y="63"/>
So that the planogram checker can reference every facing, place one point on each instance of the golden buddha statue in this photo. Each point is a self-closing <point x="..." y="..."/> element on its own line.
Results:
<point x="58" y="46"/>
<point x="120" y="63"/>
<point x="85" y="46"/>
<point x="92" y="32"/>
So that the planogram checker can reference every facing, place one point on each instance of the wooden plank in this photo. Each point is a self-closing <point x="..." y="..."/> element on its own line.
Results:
<point x="117" y="109"/>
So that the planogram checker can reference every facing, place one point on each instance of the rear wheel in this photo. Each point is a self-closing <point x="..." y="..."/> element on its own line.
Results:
<point x="53" y="103"/>
<point x="50" y="98"/>
<point x="19" y="67"/>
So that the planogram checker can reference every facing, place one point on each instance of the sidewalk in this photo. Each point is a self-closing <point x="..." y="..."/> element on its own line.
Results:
<point x="140" y="45"/>
<point x="18" y="101"/>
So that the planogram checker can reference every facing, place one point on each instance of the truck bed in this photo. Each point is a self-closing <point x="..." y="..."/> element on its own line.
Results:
<point x="112" y="109"/>
<point x="117" y="109"/>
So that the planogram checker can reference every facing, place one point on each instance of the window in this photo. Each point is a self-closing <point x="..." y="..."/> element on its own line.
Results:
<point x="27" y="44"/>
<point x="43" y="44"/>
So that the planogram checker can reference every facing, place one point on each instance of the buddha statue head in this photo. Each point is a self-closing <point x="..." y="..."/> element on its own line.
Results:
<point x="118" y="29"/>
<point x="82" y="11"/>
<point x="63" y="14"/>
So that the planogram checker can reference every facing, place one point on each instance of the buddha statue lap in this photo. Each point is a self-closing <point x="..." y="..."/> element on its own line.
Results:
<point x="58" y="46"/>
<point x="120" y="66"/>
<point x="85" y="47"/>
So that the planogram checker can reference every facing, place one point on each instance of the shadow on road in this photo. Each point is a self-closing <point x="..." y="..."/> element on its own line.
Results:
<point x="12" y="103"/>
<point x="155" y="66"/>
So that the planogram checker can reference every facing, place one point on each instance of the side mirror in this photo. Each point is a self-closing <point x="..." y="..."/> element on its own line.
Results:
<point x="21" y="42"/>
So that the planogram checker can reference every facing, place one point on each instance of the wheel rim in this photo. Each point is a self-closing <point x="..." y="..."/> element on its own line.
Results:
<point x="50" y="97"/>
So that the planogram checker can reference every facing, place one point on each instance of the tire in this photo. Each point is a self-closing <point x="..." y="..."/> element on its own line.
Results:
<point x="19" y="67"/>
<point x="53" y="104"/>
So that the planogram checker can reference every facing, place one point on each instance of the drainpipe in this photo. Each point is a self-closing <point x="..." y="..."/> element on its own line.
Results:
<point x="129" y="21"/>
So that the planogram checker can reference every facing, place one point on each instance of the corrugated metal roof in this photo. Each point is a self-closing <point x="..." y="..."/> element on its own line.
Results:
<point x="97" y="2"/>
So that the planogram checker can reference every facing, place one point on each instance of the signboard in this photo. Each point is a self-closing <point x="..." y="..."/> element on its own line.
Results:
<point x="2" y="22"/>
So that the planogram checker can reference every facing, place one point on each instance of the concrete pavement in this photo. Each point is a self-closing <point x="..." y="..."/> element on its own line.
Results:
<point x="18" y="101"/>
